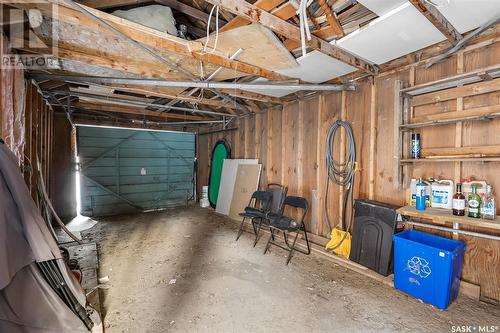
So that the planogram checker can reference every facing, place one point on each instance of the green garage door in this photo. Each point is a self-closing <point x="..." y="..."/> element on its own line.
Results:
<point x="126" y="170"/>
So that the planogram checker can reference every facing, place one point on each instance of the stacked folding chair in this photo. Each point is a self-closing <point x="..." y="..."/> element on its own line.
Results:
<point x="282" y="223"/>
<point x="257" y="209"/>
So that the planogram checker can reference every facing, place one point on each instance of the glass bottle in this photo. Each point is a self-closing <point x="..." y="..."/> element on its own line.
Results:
<point x="474" y="202"/>
<point x="458" y="203"/>
<point x="488" y="208"/>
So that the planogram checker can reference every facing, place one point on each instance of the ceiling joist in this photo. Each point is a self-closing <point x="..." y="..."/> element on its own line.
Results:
<point x="438" y="20"/>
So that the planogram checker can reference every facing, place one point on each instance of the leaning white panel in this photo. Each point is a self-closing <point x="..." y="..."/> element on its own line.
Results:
<point x="395" y="34"/>
<point x="317" y="67"/>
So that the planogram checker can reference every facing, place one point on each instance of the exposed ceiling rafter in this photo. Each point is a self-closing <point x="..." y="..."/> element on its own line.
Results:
<point x="438" y="20"/>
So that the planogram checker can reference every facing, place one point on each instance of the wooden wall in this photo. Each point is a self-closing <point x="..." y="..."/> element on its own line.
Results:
<point x="39" y="138"/>
<point x="290" y="144"/>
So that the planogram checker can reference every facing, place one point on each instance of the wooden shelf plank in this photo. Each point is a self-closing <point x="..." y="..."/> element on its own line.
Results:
<point x="445" y="215"/>
<point x="464" y="159"/>
<point x="453" y="81"/>
<point x="480" y="113"/>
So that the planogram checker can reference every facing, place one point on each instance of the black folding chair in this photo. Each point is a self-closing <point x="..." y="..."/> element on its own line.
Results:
<point x="278" y="193"/>
<point x="280" y="222"/>
<point x="257" y="208"/>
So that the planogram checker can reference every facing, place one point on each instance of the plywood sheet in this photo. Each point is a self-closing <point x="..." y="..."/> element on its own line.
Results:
<point x="247" y="181"/>
<point x="395" y="34"/>
<point x="228" y="179"/>
<point x="466" y="15"/>
<point x="317" y="67"/>
<point x="260" y="47"/>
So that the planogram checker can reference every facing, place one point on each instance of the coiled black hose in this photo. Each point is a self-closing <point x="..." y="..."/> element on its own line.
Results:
<point x="342" y="173"/>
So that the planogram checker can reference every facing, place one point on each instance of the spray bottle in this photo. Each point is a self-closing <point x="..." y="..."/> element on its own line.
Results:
<point x="421" y="190"/>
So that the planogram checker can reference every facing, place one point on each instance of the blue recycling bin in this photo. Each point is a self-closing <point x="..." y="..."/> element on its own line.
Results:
<point x="428" y="266"/>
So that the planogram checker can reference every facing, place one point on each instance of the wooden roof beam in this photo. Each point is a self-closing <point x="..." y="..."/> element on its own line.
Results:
<point x="190" y="11"/>
<point x="283" y="28"/>
<point x="331" y="18"/>
<point x="99" y="4"/>
<point x="240" y="21"/>
<point x="134" y="110"/>
<point x="147" y="36"/>
<point x="438" y="20"/>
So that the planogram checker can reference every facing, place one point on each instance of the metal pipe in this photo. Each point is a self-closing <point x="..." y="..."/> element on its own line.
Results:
<point x="180" y="122"/>
<point x="464" y="232"/>
<point x="125" y="102"/>
<point x="192" y="84"/>
<point x="464" y="41"/>
<point x="219" y="131"/>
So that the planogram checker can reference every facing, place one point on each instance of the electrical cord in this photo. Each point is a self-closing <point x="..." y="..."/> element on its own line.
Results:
<point x="342" y="173"/>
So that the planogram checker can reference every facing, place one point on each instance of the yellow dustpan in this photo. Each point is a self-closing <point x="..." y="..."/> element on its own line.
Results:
<point x="340" y="243"/>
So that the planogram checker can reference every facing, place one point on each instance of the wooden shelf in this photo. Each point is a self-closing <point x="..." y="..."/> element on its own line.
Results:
<point x="445" y="215"/>
<point x="464" y="159"/>
<point x="440" y="122"/>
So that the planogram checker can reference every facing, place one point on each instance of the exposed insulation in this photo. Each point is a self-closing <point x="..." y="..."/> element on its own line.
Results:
<point x="12" y="91"/>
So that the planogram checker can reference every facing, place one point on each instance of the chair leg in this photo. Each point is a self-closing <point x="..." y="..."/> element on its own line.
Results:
<point x="307" y="241"/>
<point x="268" y="244"/>
<point x="292" y="248"/>
<point x="253" y="226"/>
<point x="257" y="233"/>
<point x="240" y="231"/>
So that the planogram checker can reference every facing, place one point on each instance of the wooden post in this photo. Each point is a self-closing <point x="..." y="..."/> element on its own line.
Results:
<point x="343" y="116"/>
<point x="398" y="138"/>
<point x="373" y="142"/>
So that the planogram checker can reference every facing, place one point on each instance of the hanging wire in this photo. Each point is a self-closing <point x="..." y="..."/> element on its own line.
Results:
<point x="216" y="29"/>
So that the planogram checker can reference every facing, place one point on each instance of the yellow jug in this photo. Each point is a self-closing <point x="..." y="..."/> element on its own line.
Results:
<point x="340" y="243"/>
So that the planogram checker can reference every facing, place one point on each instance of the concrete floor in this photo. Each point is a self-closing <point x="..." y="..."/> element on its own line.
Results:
<point x="181" y="271"/>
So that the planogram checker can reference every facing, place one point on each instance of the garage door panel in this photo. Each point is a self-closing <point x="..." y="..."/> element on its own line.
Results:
<point x="141" y="199"/>
<point x="161" y="152"/>
<point x="139" y="163"/>
<point x="134" y="170"/>
<point x="148" y="179"/>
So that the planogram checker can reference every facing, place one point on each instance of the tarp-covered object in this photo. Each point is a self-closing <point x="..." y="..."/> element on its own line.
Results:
<point x="27" y="302"/>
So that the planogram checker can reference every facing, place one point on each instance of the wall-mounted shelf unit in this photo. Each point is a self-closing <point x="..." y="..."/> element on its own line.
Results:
<point x="473" y="83"/>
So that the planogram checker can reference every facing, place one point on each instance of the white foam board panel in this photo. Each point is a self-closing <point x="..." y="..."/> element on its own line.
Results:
<point x="227" y="181"/>
<point x="270" y="92"/>
<point x="380" y="7"/>
<point x="317" y="67"/>
<point x="399" y="32"/>
<point x="466" y="15"/>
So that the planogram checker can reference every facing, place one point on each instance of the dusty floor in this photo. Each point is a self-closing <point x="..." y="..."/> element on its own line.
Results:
<point x="181" y="270"/>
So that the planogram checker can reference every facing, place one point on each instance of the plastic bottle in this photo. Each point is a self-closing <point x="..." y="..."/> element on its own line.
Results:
<point x="488" y="207"/>
<point x="421" y="189"/>
<point x="442" y="194"/>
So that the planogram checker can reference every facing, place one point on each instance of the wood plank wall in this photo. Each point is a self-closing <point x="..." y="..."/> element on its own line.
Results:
<point x="290" y="145"/>
<point x="39" y="138"/>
